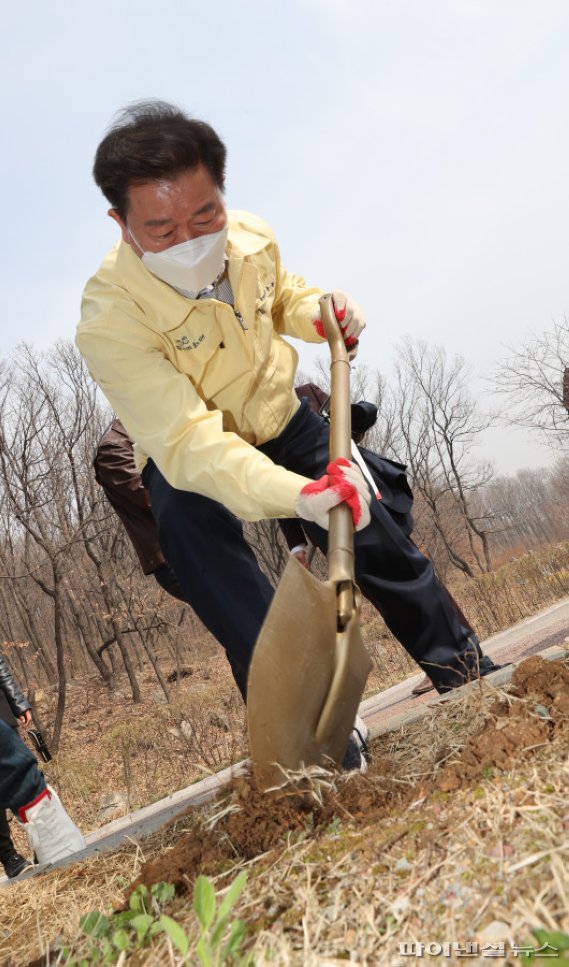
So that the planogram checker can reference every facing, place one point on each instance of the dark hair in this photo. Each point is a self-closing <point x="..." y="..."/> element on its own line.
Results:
<point x="149" y="140"/>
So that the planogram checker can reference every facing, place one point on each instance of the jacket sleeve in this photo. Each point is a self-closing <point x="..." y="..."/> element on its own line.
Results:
<point x="163" y="413"/>
<point x="11" y="689"/>
<point x="296" y="305"/>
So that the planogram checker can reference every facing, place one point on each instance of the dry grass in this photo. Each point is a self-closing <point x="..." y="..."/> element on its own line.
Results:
<point x="516" y="590"/>
<point x="441" y="869"/>
<point x="486" y="863"/>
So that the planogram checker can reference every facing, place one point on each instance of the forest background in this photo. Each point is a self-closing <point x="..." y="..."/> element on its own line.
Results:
<point x="74" y="602"/>
<point x="136" y="700"/>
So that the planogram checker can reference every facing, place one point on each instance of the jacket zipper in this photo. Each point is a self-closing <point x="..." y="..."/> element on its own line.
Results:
<point x="240" y="319"/>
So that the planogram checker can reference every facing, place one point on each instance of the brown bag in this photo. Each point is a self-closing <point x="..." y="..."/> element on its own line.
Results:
<point x="115" y="471"/>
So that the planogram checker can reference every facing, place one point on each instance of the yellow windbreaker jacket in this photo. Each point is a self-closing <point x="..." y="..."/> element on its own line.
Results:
<point x="198" y="383"/>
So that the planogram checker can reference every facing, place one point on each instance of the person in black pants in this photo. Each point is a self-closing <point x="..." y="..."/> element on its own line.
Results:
<point x="219" y="576"/>
<point x="186" y="327"/>
<point x="115" y="470"/>
<point x="14" y="709"/>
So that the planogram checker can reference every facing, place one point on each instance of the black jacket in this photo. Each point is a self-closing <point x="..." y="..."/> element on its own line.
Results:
<point x="12" y="700"/>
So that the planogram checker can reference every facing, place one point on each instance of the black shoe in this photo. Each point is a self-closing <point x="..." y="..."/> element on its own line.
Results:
<point x="15" y="865"/>
<point x="357" y="752"/>
<point x="480" y="668"/>
<point x="486" y="666"/>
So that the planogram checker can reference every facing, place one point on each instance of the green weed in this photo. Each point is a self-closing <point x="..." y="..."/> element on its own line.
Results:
<point x="552" y="944"/>
<point x="122" y="933"/>
<point x="108" y="939"/>
<point x="221" y="940"/>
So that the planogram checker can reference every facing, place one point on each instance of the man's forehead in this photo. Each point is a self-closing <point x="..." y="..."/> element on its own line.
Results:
<point x="192" y="193"/>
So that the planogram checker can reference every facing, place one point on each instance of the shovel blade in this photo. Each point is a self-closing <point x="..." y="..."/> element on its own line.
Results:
<point x="306" y="679"/>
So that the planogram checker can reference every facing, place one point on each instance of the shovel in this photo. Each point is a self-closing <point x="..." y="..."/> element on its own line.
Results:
<point x="309" y="666"/>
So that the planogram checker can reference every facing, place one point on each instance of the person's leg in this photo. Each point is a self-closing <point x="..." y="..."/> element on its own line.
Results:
<point x="396" y="577"/>
<point x="6" y="844"/>
<point x="414" y="604"/>
<point x="168" y="581"/>
<point x="51" y="833"/>
<point x="20" y="779"/>
<point x="218" y="575"/>
<point x="460" y="613"/>
<point x="485" y="664"/>
<point x="165" y="577"/>
<point x="215" y="568"/>
<point x="397" y="497"/>
<point x="12" y="861"/>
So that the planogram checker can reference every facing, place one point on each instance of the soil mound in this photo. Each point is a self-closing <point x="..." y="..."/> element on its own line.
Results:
<point x="535" y="708"/>
<point x="249" y="824"/>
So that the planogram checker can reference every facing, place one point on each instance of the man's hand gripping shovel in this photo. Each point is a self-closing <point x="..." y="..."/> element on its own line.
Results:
<point x="309" y="667"/>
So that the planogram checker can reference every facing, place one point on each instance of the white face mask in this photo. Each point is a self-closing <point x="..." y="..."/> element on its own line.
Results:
<point x="190" y="266"/>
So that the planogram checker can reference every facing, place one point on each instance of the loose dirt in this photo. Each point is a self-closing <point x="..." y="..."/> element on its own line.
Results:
<point x="519" y="726"/>
<point x="249" y="824"/>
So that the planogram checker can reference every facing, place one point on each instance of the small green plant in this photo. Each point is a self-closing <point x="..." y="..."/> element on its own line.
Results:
<point x="129" y="930"/>
<point x="334" y="827"/>
<point x="552" y="944"/>
<point x="220" y="941"/>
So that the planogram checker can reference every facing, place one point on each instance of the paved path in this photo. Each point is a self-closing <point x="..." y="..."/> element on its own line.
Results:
<point x="386" y="711"/>
<point x="546" y="629"/>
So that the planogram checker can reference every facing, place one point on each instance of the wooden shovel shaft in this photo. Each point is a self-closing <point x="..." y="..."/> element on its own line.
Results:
<point x="340" y="534"/>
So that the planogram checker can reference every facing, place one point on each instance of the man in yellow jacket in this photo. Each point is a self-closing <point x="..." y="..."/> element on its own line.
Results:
<point x="184" y="328"/>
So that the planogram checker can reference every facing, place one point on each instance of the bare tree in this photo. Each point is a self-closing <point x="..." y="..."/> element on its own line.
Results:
<point x="530" y="508"/>
<point x="32" y="475"/>
<point x="368" y="384"/>
<point x="267" y="542"/>
<point x="48" y="416"/>
<point x="440" y="426"/>
<point x="531" y="381"/>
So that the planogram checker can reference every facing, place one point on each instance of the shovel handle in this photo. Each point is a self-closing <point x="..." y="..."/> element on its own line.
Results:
<point x="341" y="531"/>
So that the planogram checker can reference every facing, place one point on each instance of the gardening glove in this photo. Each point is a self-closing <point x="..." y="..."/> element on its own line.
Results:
<point x="350" y="319"/>
<point x="342" y="482"/>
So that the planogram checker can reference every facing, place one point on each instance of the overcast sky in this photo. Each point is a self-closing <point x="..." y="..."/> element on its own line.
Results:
<point x="411" y="152"/>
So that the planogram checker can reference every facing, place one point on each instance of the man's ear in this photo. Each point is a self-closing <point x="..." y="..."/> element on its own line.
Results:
<point x="122" y="225"/>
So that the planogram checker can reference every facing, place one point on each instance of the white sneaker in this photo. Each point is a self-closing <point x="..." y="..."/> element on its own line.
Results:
<point x="355" y="757"/>
<point x="52" y="835"/>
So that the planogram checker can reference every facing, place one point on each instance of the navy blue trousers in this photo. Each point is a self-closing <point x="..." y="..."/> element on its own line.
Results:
<point x="220" y="578"/>
<point x="20" y="779"/>
<point x="7" y="848"/>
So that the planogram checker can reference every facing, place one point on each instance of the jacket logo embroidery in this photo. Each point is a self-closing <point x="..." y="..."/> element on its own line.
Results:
<point x="263" y="296"/>
<point x="266" y="291"/>
<point x="185" y="343"/>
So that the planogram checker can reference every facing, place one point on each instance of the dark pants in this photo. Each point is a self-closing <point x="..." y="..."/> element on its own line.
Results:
<point x="20" y="779"/>
<point x="168" y="581"/>
<point x="7" y="847"/>
<point x="221" y="580"/>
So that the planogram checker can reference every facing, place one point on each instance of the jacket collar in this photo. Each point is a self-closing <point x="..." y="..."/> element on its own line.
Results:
<point x="166" y="307"/>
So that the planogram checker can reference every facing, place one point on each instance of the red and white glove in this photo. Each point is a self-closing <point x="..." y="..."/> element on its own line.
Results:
<point x="350" y="318"/>
<point x="342" y="482"/>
